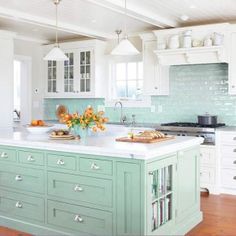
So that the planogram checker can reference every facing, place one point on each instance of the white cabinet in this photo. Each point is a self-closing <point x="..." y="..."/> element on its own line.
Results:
<point x="84" y="75"/>
<point x="232" y="62"/>
<point x="156" y="77"/>
<point x="208" y="168"/>
<point x="226" y="141"/>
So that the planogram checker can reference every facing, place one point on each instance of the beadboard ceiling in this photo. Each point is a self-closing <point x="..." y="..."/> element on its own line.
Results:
<point x="100" y="18"/>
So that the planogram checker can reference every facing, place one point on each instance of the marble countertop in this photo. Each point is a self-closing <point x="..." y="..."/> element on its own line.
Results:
<point x="99" y="144"/>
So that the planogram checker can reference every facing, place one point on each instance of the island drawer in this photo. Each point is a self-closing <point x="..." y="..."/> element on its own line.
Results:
<point x="25" y="179"/>
<point x="80" y="219"/>
<point x="207" y="156"/>
<point x="21" y="206"/>
<point x="33" y="158"/>
<point x="58" y="161"/>
<point x="95" y="166"/>
<point x="7" y="154"/>
<point x="80" y="188"/>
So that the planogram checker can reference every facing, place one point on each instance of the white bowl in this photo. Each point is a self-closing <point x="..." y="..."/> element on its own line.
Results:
<point x="39" y="129"/>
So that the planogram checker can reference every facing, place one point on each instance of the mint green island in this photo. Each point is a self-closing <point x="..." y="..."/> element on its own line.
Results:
<point x="98" y="186"/>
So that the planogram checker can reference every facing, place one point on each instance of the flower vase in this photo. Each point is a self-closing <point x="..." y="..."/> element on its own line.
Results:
<point x="82" y="132"/>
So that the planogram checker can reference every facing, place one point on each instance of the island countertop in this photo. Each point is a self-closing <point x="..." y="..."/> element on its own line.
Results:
<point x="103" y="144"/>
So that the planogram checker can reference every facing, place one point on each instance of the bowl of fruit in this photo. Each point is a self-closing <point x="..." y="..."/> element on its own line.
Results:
<point x="38" y="127"/>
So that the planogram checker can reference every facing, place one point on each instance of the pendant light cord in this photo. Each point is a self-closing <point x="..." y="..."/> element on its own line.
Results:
<point x="56" y="3"/>
<point x="126" y="35"/>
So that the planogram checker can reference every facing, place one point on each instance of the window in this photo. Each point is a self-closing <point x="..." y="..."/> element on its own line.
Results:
<point x="128" y="80"/>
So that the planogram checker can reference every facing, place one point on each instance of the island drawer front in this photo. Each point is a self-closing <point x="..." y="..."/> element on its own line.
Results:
<point x="7" y="154"/>
<point x="80" y="219"/>
<point x="95" y="166"/>
<point x="228" y="178"/>
<point x="228" y="138"/>
<point x="33" y="158"/>
<point x="80" y="188"/>
<point x="25" y="179"/>
<point x="207" y="175"/>
<point x="21" y="206"/>
<point x="62" y="161"/>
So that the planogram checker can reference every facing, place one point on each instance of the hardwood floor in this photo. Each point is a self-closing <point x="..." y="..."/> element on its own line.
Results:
<point x="219" y="218"/>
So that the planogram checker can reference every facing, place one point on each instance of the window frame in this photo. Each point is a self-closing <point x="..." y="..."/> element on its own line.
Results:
<point x="145" y="101"/>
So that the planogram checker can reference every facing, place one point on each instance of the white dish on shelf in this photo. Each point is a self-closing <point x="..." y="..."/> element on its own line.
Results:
<point x="39" y="129"/>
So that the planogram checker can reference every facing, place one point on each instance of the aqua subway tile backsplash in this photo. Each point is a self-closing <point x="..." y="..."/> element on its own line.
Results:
<point x="194" y="90"/>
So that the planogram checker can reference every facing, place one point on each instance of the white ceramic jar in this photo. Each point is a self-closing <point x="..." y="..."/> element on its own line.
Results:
<point x="173" y="42"/>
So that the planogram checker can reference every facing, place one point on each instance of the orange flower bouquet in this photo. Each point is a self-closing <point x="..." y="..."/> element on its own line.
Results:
<point x="88" y="120"/>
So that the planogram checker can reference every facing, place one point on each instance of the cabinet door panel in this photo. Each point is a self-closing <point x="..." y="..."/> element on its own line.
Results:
<point x="128" y="199"/>
<point x="188" y="199"/>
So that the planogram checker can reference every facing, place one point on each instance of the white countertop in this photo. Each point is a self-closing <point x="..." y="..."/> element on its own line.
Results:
<point x="100" y="144"/>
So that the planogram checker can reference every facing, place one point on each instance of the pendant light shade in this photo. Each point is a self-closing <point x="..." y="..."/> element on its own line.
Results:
<point x="125" y="47"/>
<point x="56" y="54"/>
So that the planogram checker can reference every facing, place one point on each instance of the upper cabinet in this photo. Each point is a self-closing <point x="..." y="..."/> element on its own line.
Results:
<point x="156" y="77"/>
<point x="83" y="76"/>
<point x="193" y="45"/>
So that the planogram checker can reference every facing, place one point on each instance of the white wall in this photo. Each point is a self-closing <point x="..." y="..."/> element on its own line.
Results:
<point x="34" y="51"/>
<point x="6" y="80"/>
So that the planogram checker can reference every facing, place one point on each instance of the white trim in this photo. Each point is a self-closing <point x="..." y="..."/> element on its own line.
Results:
<point x="27" y="73"/>
<point x="136" y="12"/>
<point x="44" y="22"/>
<point x="35" y="40"/>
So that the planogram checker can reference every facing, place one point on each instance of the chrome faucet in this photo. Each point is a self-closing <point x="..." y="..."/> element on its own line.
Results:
<point x="123" y="118"/>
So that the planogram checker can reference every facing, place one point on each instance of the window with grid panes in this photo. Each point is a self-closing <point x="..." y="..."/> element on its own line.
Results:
<point x="128" y="80"/>
<point x="52" y="76"/>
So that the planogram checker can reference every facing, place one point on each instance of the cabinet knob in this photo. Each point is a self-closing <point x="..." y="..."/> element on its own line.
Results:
<point x="233" y="86"/>
<point x="234" y="138"/>
<point x="4" y="155"/>
<point x="77" y="188"/>
<point x="234" y="177"/>
<point x="150" y="173"/>
<point x="60" y="162"/>
<point x="234" y="162"/>
<point x="156" y="87"/>
<point x="18" y="178"/>
<point x="30" y="158"/>
<point x="19" y="205"/>
<point x="78" y="218"/>
<point x="94" y="166"/>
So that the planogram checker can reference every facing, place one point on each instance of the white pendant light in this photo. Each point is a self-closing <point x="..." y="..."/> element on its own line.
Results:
<point x="56" y="54"/>
<point x="124" y="47"/>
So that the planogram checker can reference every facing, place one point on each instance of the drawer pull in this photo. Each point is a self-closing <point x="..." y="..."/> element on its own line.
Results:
<point x="60" y="162"/>
<point x="19" y="205"/>
<point x="78" y="218"/>
<point x="234" y="162"/>
<point x="234" y="138"/>
<point x="234" y="177"/>
<point x="4" y="155"/>
<point x="150" y="173"/>
<point x="77" y="188"/>
<point x="30" y="158"/>
<point x="18" y="178"/>
<point x="94" y="166"/>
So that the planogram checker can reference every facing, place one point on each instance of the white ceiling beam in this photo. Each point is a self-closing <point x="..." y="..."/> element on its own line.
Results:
<point x="137" y="12"/>
<point x="47" y="23"/>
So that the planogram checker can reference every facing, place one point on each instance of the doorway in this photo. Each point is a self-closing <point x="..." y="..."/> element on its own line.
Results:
<point x="22" y="90"/>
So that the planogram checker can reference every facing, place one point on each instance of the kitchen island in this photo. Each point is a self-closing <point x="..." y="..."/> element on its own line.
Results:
<point x="98" y="186"/>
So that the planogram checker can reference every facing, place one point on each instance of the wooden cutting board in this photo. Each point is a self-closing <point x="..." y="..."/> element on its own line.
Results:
<point x="138" y="140"/>
<point x="63" y="137"/>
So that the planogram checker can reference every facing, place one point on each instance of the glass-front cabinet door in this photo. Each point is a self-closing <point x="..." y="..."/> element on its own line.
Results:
<point x="69" y="77"/>
<point x="161" y="195"/>
<point x="85" y="71"/>
<point x="52" y="77"/>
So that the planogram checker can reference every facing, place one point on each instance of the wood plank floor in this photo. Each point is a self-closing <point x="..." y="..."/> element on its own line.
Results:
<point x="219" y="213"/>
